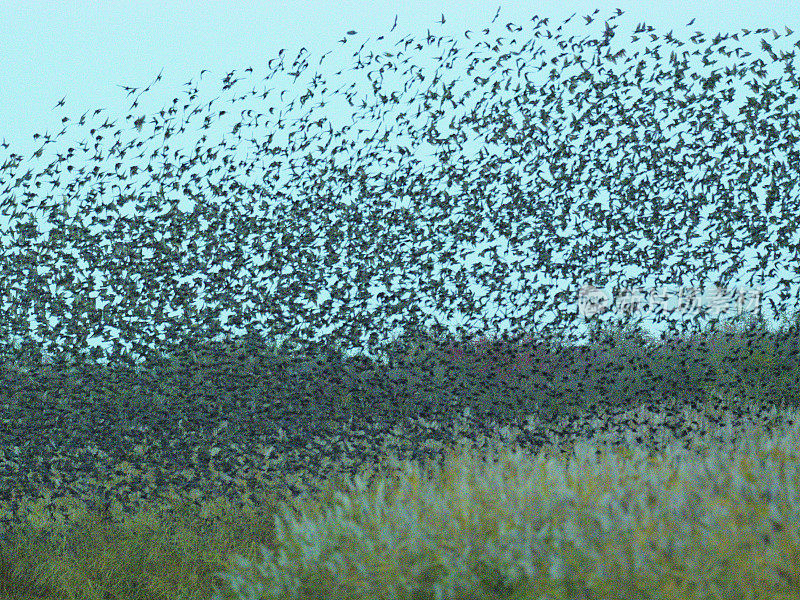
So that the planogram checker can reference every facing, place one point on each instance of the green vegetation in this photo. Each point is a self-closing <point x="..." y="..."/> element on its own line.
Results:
<point x="158" y="556"/>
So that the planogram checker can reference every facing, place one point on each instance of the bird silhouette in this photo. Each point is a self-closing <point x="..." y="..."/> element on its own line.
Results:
<point x="306" y="168"/>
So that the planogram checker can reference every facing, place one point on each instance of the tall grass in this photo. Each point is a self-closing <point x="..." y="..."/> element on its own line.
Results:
<point x="167" y="557"/>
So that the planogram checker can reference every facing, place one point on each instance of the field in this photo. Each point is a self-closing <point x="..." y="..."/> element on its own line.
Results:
<point x="151" y="557"/>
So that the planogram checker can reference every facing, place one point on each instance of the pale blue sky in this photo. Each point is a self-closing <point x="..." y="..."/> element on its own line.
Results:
<point x="84" y="52"/>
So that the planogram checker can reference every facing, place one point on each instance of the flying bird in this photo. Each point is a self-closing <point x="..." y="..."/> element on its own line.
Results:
<point x="578" y="172"/>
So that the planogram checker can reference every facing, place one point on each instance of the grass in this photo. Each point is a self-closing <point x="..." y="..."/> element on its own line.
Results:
<point x="178" y="556"/>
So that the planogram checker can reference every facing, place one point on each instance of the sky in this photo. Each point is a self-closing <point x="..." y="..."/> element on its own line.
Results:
<point x="84" y="55"/>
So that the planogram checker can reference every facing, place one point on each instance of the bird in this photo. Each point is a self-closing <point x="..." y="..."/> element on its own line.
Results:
<point x="335" y="190"/>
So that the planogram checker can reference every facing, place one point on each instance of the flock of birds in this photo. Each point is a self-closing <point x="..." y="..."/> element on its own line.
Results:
<point x="653" y="210"/>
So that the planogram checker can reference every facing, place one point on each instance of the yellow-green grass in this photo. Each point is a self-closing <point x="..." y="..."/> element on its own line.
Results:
<point x="174" y="549"/>
<point x="150" y="555"/>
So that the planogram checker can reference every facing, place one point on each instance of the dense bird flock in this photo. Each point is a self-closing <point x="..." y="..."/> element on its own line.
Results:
<point x="653" y="215"/>
<point x="307" y="207"/>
